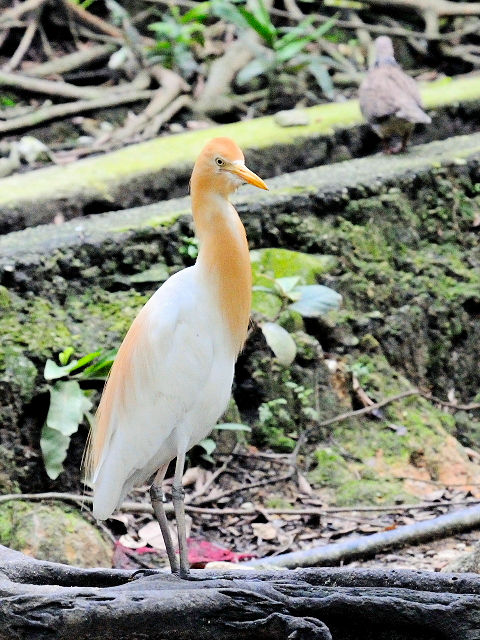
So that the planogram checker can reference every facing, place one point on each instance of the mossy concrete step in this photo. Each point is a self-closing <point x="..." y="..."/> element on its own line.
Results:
<point x="29" y="259"/>
<point x="398" y="241"/>
<point x="160" y="169"/>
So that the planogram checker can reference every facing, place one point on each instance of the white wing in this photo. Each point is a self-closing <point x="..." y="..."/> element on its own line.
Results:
<point x="169" y="384"/>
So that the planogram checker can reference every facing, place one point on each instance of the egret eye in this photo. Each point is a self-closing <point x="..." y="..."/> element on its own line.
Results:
<point x="220" y="162"/>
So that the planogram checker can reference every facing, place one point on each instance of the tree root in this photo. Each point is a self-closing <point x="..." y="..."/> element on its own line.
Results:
<point x="43" y="599"/>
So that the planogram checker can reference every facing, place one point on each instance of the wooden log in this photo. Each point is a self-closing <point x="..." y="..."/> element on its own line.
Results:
<point x="46" y="600"/>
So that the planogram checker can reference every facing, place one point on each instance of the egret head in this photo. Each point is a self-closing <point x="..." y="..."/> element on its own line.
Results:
<point x="221" y="165"/>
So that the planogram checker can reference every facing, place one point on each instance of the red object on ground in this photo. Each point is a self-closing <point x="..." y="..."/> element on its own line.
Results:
<point x="200" y="552"/>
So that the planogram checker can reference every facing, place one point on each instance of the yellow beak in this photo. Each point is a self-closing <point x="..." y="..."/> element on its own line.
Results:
<point x="248" y="176"/>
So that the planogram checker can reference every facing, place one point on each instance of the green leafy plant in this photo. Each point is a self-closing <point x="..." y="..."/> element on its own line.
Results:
<point x="177" y="34"/>
<point x="286" y="46"/>
<point x="310" y="301"/>
<point x="70" y="402"/>
<point x="209" y="445"/>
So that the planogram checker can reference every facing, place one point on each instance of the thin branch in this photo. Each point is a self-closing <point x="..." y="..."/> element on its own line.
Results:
<point x="170" y="86"/>
<point x="49" y="87"/>
<point x="365" y="546"/>
<point x="213" y="477"/>
<point x="361" y="412"/>
<point x="246" y="487"/>
<point x="92" y="20"/>
<point x="71" y="61"/>
<point x="25" y="43"/>
<point x="10" y="15"/>
<point x="167" y="114"/>
<point x="145" y="507"/>
<point x="439" y="7"/>
<point x="72" y="108"/>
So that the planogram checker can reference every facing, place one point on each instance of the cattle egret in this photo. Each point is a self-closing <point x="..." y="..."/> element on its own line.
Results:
<point x="390" y="100"/>
<point x="172" y="377"/>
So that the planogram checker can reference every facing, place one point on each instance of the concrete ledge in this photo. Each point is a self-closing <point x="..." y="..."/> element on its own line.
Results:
<point x="321" y="191"/>
<point x="160" y="168"/>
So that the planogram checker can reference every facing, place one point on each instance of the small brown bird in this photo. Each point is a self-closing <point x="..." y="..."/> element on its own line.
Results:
<point x="390" y="100"/>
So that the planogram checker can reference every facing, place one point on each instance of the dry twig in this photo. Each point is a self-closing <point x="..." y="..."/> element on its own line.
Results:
<point x="72" y="108"/>
<point x="71" y="61"/>
<point x="25" y="42"/>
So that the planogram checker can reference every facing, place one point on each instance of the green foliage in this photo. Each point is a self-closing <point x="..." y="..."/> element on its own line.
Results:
<point x="276" y="290"/>
<point x="286" y="46"/>
<point x="69" y="402"/>
<point x="176" y="34"/>
<point x="274" y="420"/>
<point x="7" y="101"/>
<point x="209" y="445"/>
<point x="83" y="3"/>
<point x="189" y="247"/>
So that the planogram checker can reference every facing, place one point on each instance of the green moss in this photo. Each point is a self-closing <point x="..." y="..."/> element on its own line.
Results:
<point x="52" y="532"/>
<point x="331" y="469"/>
<point x="372" y="492"/>
<point x="278" y="502"/>
<point x="165" y="220"/>
<point x="5" y="300"/>
<point x="281" y="263"/>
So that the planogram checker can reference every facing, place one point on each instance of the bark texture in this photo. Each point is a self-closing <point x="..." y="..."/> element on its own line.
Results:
<point x="46" y="600"/>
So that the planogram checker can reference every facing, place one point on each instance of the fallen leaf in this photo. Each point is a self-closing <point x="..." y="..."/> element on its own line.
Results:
<point x="191" y="476"/>
<point x="130" y="543"/>
<point x="264" y="531"/>
<point x="304" y="485"/>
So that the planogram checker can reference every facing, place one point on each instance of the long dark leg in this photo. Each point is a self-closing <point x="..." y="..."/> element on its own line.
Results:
<point x="156" y="496"/>
<point x="178" y="495"/>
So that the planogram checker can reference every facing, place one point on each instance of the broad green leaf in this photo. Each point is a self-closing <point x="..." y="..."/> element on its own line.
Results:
<point x="197" y="13"/>
<point x="264" y="28"/>
<point x="54" y="446"/>
<point x="253" y="69"/>
<point x="232" y="426"/>
<point x="52" y="371"/>
<point x="280" y="342"/>
<point x="157" y="273"/>
<point x="290" y="50"/>
<point x="287" y="284"/>
<point x="320" y="72"/>
<point x="85" y="360"/>
<point x="208" y="445"/>
<point x="68" y="403"/>
<point x="316" y="300"/>
<point x="229" y="12"/>
<point x="101" y="368"/>
<point x="326" y="26"/>
<point x="268" y="303"/>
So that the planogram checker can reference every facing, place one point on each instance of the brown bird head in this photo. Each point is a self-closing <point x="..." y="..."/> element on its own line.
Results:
<point x="220" y="168"/>
<point x="384" y="53"/>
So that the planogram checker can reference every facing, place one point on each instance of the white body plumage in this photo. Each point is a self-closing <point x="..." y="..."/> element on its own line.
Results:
<point x="182" y="366"/>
